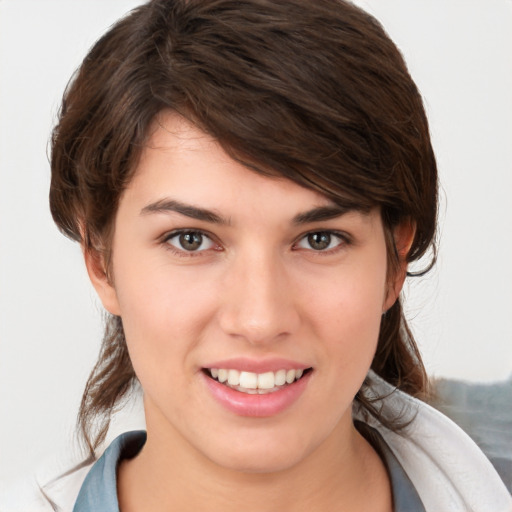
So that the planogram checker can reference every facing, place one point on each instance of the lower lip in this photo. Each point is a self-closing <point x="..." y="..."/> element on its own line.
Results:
<point x="268" y="404"/>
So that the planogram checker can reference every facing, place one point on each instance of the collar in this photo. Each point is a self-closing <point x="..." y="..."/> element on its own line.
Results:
<point x="99" y="490"/>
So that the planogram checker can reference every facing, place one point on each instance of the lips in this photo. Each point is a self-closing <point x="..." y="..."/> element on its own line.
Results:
<point x="256" y="389"/>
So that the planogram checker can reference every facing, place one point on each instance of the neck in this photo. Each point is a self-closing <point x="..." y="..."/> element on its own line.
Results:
<point x="343" y="473"/>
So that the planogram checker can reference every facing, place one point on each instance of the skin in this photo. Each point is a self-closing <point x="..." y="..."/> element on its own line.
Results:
<point x="256" y="289"/>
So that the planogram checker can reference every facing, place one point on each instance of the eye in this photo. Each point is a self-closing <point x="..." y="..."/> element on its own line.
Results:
<point x="190" y="241"/>
<point x="321" y="241"/>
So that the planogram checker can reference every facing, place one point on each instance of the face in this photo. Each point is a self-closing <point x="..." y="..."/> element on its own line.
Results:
<point x="251" y="306"/>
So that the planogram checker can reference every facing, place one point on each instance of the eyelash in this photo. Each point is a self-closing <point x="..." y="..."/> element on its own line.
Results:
<point x="183" y="253"/>
<point x="343" y="238"/>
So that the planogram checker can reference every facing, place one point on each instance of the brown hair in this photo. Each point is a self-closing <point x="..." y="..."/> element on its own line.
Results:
<point x="314" y="91"/>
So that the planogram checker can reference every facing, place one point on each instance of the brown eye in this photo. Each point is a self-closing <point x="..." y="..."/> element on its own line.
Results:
<point x="319" y="241"/>
<point x="190" y="241"/>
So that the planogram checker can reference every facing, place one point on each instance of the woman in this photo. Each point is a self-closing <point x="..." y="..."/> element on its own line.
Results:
<point x="249" y="182"/>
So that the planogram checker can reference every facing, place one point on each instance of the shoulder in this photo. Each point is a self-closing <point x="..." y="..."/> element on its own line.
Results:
<point x="446" y="467"/>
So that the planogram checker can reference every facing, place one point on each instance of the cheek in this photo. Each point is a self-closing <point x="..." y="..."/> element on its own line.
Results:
<point x="347" y="312"/>
<point x="164" y="312"/>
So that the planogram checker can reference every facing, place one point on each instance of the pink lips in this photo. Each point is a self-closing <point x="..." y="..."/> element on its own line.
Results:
<point x="258" y="366"/>
<point x="264" y="405"/>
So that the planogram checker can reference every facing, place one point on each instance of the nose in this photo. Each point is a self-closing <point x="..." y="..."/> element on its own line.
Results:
<point x="258" y="304"/>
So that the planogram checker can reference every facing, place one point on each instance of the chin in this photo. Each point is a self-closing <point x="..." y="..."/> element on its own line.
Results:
<point x="260" y="457"/>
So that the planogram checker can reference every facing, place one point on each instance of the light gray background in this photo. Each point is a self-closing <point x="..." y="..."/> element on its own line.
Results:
<point x="458" y="52"/>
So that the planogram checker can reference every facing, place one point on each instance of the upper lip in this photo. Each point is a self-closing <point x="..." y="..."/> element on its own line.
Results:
<point x="257" y="365"/>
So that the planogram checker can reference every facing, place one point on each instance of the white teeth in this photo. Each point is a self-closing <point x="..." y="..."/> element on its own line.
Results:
<point x="290" y="376"/>
<point x="266" y="380"/>
<point x="233" y="377"/>
<point x="280" y="377"/>
<point x="250" y="382"/>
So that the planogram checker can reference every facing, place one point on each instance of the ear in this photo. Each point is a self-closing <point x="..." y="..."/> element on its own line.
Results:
<point x="95" y="264"/>
<point x="403" y="237"/>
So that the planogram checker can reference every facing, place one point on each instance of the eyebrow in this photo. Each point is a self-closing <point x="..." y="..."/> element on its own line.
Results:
<point x="321" y="213"/>
<point x="194" y="212"/>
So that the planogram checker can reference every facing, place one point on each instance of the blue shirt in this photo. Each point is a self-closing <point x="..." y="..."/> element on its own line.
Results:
<point x="99" y="490"/>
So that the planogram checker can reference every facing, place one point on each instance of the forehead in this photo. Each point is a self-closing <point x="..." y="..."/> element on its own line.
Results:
<point x="185" y="179"/>
<point x="181" y="160"/>
<point x="183" y="148"/>
<point x="171" y="131"/>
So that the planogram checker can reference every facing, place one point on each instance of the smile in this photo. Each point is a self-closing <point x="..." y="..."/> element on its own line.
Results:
<point x="255" y="383"/>
<point x="254" y="388"/>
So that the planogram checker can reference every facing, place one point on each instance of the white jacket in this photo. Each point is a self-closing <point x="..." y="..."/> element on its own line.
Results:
<point x="448" y="470"/>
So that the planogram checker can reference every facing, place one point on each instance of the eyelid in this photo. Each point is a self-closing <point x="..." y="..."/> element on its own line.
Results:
<point x="183" y="252"/>
<point x="344" y="240"/>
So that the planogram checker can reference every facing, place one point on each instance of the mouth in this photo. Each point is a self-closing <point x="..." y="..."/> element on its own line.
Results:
<point x="256" y="383"/>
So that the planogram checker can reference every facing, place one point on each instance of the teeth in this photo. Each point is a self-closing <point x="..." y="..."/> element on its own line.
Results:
<point x="280" y="378"/>
<point x="250" y="382"/>
<point x="290" y="376"/>
<point x="233" y="377"/>
<point x="266" y="380"/>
